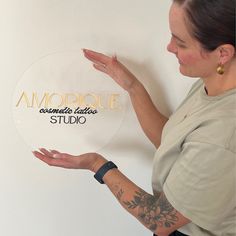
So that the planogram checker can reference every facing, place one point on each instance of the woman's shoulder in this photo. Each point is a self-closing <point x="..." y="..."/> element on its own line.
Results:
<point x="218" y="131"/>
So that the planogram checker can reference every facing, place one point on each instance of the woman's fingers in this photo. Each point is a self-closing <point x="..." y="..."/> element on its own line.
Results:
<point x="94" y="61"/>
<point x="47" y="159"/>
<point x="96" y="57"/>
<point x="65" y="160"/>
<point x="101" y="68"/>
<point x="55" y="158"/>
<point x="103" y="63"/>
<point x="46" y="152"/>
<point x="54" y="151"/>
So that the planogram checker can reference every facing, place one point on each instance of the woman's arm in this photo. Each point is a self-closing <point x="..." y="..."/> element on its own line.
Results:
<point x="154" y="212"/>
<point x="150" y="119"/>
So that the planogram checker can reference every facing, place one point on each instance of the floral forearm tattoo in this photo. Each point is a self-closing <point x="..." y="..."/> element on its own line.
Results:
<point x="153" y="211"/>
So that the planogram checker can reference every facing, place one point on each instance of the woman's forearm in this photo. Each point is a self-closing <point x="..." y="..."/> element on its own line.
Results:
<point x="153" y="211"/>
<point x="150" y="119"/>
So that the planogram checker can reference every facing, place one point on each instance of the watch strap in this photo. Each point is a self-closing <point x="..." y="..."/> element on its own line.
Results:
<point x="103" y="170"/>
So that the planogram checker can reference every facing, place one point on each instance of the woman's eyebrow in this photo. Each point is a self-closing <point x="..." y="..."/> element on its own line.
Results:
<point x="175" y="36"/>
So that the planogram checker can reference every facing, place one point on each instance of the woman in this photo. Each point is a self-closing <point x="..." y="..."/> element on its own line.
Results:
<point x="194" y="166"/>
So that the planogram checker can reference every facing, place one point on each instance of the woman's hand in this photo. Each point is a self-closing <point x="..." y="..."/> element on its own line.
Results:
<point x="112" y="67"/>
<point x="90" y="161"/>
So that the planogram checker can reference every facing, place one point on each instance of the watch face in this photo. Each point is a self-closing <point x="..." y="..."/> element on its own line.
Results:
<point x="61" y="102"/>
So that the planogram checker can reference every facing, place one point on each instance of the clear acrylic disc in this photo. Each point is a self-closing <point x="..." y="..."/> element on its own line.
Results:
<point x="61" y="102"/>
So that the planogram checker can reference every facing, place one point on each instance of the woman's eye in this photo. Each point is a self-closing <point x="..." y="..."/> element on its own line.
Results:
<point x="181" y="45"/>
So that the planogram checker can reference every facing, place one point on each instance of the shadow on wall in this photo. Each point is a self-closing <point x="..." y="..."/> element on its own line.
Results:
<point x="145" y="73"/>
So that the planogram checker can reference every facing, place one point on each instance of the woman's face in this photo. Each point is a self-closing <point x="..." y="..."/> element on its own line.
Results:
<point x="194" y="61"/>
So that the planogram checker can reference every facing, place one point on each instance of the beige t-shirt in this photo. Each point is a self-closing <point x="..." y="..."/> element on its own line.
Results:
<point x="195" y="164"/>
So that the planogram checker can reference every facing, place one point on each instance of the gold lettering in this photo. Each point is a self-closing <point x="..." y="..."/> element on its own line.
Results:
<point x="99" y="102"/>
<point x="24" y="98"/>
<point x="53" y="104"/>
<point x="90" y="100"/>
<point x="71" y="100"/>
<point x="36" y="100"/>
<point x="112" y="102"/>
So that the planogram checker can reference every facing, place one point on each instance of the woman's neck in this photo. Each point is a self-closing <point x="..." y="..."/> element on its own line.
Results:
<point x="218" y="84"/>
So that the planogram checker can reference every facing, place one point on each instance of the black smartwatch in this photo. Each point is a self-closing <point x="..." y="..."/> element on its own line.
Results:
<point x="103" y="170"/>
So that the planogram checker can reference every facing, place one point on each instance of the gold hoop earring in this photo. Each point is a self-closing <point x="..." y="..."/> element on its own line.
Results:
<point x="220" y="69"/>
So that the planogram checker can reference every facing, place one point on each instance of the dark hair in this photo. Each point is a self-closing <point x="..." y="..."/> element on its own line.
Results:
<point x="212" y="22"/>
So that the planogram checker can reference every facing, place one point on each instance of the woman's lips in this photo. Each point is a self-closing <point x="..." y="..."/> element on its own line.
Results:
<point x="179" y="60"/>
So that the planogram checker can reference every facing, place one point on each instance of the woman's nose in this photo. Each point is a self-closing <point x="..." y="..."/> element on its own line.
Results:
<point x="171" y="47"/>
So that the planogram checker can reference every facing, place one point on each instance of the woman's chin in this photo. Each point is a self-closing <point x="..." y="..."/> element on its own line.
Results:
<point x="182" y="70"/>
<point x="186" y="72"/>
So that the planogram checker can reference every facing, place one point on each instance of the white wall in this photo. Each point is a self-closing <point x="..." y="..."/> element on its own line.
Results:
<point x="38" y="200"/>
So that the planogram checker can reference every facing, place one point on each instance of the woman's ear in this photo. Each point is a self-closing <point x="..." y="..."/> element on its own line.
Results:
<point x="226" y="52"/>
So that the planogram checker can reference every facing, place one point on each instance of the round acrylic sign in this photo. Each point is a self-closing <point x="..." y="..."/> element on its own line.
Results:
<point x="61" y="102"/>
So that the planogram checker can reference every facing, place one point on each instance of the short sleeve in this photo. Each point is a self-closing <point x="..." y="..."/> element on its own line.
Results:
<point x="202" y="184"/>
